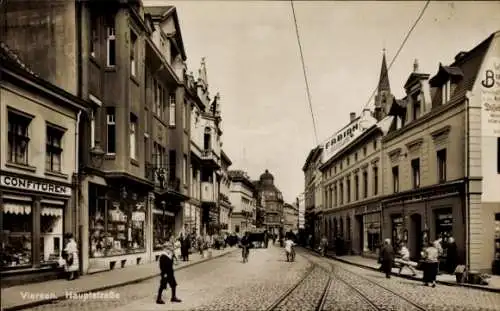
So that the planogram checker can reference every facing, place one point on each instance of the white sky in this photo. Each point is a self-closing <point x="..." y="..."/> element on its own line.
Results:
<point x="253" y="61"/>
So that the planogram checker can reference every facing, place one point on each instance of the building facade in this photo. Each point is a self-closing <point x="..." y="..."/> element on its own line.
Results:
<point x="313" y="193"/>
<point x="301" y="206"/>
<point x="226" y="209"/>
<point x="441" y="158"/>
<point x="38" y="170"/>
<point x="272" y="202"/>
<point x="291" y="217"/>
<point x="242" y="197"/>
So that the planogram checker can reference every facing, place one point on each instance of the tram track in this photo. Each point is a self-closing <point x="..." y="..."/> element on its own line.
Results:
<point x="288" y="300"/>
<point x="341" y="274"/>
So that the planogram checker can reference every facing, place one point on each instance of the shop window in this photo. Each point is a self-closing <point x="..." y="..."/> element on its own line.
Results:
<point x="17" y="235"/>
<point x="53" y="151"/>
<point x="397" y="230"/>
<point x="163" y="228"/>
<point x="18" y="138"/>
<point x="444" y="223"/>
<point x="441" y="159"/>
<point x="51" y="233"/>
<point x="371" y="232"/>
<point x="116" y="223"/>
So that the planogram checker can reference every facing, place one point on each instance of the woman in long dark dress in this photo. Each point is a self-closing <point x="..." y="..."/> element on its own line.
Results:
<point x="451" y="256"/>
<point x="387" y="258"/>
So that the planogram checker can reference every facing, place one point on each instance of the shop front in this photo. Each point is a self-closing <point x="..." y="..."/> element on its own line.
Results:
<point x="32" y="227"/>
<point x="117" y="220"/>
<point x="368" y="226"/>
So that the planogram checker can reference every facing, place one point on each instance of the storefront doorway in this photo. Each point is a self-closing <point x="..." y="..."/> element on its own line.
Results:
<point x="414" y="242"/>
<point x="397" y="230"/>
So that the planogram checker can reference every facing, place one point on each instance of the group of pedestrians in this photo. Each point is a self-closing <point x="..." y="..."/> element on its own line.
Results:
<point x="430" y="255"/>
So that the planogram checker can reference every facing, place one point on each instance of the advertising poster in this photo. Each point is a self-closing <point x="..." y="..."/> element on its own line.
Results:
<point x="490" y="98"/>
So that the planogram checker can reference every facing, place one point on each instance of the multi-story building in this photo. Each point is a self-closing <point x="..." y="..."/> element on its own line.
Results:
<point x="351" y="177"/>
<point x="440" y="159"/>
<point x="242" y="198"/>
<point x="205" y="151"/>
<point x="313" y="193"/>
<point x="166" y="129"/>
<point x="272" y="202"/>
<point x="226" y="208"/>
<point x="291" y="218"/>
<point x="39" y="152"/>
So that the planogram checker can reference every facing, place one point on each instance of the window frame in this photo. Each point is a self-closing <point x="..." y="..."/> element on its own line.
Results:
<point x="395" y="179"/>
<point x="51" y="149"/>
<point x="442" y="165"/>
<point x="415" y="171"/>
<point x="172" y="103"/>
<point x="133" y="129"/>
<point x="110" y="41"/>
<point x="110" y="123"/>
<point x="133" y="54"/>
<point x="14" y="139"/>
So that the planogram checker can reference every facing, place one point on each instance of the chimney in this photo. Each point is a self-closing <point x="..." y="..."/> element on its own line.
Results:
<point x="367" y="112"/>
<point x="415" y="66"/>
<point x="352" y="115"/>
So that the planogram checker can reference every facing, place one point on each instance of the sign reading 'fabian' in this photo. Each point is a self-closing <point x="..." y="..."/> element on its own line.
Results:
<point x="490" y="98"/>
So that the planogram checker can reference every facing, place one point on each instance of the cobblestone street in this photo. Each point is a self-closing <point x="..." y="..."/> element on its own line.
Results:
<point x="227" y="284"/>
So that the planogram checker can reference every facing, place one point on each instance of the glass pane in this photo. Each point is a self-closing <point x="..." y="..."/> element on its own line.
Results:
<point x="51" y="230"/>
<point x="56" y="162"/>
<point x="116" y="237"/>
<point x="16" y="236"/>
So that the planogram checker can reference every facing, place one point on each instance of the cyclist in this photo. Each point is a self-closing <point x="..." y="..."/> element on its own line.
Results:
<point x="245" y="244"/>
<point x="289" y="249"/>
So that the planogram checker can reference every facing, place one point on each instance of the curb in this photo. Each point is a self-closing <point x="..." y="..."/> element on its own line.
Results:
<point x="409" y="277"/>
<point x="103" y="288"/>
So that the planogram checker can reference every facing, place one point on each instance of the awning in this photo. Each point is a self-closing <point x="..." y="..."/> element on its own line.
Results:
<point x="52" y="211"/>
<point x="16" y="208"/>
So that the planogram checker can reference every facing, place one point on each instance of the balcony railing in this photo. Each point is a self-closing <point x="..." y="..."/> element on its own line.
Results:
<point x="160" y="177"/>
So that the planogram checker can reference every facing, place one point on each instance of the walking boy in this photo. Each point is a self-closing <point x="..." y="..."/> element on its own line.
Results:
<point x="167" y="275"/>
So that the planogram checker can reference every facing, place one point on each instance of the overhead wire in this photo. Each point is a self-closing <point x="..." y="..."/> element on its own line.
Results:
<point x="421" y="14"/>
<point x="305" y="74"/>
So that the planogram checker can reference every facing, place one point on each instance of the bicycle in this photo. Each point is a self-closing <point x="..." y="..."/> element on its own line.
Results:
<point x="244" y="253"/>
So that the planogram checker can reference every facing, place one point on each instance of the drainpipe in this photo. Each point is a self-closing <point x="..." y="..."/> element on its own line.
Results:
<point x="79" y="227"/>
<point x="467" y="180"/>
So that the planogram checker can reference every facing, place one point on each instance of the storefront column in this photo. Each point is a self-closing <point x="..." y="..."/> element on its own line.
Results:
<point x="149" y="226"/>
<point x="35" y="246"/>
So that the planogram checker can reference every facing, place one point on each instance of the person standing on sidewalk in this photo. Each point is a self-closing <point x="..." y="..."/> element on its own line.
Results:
<point x="387" y="258"/>
<point x="167" y="275"/>
<point x="70" y="256"/>
<point x="185" y="245"/>
<point x="431" y="264"/>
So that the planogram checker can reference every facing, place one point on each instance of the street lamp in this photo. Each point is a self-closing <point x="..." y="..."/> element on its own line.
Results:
<point x="97" y="155"/>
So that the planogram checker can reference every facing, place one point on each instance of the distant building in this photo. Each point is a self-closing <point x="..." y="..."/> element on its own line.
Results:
<point x="243" y="200"/>
<point x="291" y="216"/>
<point x="301" y="206"/>
<point x="272" y="202"/>
<point x="226" y="209"/>
<point x="313" y="193"/>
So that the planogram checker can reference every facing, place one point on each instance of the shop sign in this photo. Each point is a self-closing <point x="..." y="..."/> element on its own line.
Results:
<point x="343" y="137"/>
<point x="31" y="185"/>
<point x="490" y="98"/>
<point x="445" y="220"/>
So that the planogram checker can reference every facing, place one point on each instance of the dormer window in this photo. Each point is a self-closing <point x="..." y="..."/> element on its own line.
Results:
<point x="417" y="107"/>
<point x="445" y="92"/>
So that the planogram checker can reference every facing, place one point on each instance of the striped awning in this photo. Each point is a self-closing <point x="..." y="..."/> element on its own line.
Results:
<point x="52" y="211"/>
<point x="17" y="208"/>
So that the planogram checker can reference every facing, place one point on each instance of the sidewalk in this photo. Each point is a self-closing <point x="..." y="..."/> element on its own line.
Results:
<point x="446" y="279"/>
<point x="12" y="297"/>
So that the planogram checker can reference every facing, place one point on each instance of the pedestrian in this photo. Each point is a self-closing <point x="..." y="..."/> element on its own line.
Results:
<point x="70" y="256"/>
<point x="431" y="263"/>
<point x="177" y="249"/>
<point x="323" y="246"/>
<point x="185" y="245"/>
<point x="200" y="243"/>
<point x="405" y="259"/>
<point x="167" y="275"/>
<point x="387" y="258"/>
<point x="451" y="256"/>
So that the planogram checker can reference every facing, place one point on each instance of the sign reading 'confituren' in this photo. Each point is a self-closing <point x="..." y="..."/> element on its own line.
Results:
<point x="32" y="185"/>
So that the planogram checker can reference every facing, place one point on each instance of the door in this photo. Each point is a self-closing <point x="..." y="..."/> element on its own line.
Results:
<point x="414" y="239"/>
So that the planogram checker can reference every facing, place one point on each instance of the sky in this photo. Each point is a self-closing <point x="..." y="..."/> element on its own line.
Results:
<point x="253" y="60"/>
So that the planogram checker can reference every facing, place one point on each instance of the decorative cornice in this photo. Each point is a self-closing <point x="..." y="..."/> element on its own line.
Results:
<point x="375" y="161"/>
<point x="356" y="170"/>
<point x="441" y="132"/>
<point x="394" y="152"/>
<point x="365" y="166"/>
<point x="414" y="143"/>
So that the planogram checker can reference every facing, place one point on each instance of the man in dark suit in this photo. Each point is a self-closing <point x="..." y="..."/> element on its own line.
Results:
<point x="167" y="275"/>
<point x="387" y="258"/>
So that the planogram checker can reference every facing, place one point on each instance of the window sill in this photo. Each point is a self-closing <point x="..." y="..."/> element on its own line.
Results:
<point x="24" y="167"/>
<point x="134" y="162"/>
<point x="110" y="69"/>
<point x="171" y="126"/>
<point x="56" y="174"/>
<point x="110" y="156"/>
<point x="135" y="80"/>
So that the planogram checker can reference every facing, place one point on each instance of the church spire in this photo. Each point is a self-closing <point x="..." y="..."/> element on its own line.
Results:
<point x="383" y="82"/>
